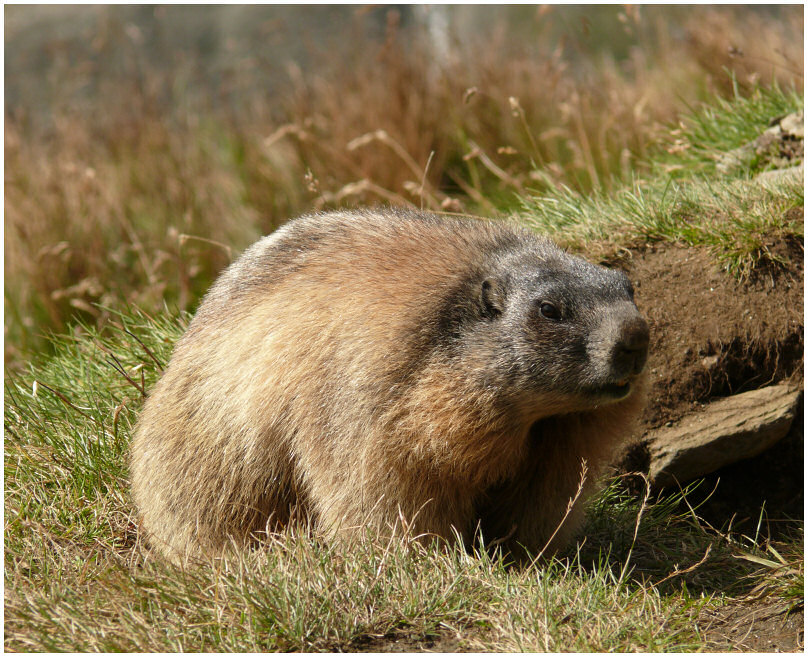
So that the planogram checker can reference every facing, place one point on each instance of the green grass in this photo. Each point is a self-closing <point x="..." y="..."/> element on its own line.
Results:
<point x="706" y="134"/>
<point x="77" y="578"/>
<point x="733" y="215"/>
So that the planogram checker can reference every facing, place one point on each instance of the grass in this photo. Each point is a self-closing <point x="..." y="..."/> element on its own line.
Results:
<point x="735" y="220"/>
<point x="733" y="215"/>
<point x="77" y="578"/>
<point x="704" y="136"/>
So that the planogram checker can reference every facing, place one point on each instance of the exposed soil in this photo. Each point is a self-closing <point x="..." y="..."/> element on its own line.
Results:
<point x="713" y="336"/>
<point x="404" y="642"/>
<point x="743" y="627"/>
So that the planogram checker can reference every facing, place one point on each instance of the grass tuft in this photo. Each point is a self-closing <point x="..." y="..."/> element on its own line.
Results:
<point x="734" y="216"/>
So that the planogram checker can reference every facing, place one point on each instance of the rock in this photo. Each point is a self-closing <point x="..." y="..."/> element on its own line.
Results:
<point x="726" y="431"/>
<point x="794" y="125"/>
<point x="780" y="146"/>
<point x="780" y="176"/>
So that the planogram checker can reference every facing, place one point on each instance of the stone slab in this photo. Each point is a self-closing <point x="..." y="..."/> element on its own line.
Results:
<point x="726" y="431"/>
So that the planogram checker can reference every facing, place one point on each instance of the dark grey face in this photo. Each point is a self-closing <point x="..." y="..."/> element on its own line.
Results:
<point x="568" y="326"/>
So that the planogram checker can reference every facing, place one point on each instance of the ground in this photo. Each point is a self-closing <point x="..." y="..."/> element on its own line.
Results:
<point x="714" y="336"/>
<point x="749" y="627"/>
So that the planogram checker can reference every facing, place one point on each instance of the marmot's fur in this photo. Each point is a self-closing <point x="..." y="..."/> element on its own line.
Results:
<point x="357" y="368"/>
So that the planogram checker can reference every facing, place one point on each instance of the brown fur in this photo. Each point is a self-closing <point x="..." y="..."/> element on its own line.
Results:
<point x="359" y="367"/>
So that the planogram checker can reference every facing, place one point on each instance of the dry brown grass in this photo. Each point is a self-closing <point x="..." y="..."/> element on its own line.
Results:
<point x="141" y="192"/>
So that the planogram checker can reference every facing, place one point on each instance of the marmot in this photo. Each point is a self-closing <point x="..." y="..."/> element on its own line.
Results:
<point x="357" y="368"/>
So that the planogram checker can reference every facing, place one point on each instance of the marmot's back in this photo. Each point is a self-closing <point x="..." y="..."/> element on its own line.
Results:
<point x="358" y="365"/>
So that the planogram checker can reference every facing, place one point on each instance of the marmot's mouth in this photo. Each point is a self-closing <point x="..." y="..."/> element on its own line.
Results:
<point x="609" y="391"/>
<point x="616" y="390"/>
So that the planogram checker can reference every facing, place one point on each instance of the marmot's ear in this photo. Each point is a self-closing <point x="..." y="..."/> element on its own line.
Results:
<point x="492" y="297"/>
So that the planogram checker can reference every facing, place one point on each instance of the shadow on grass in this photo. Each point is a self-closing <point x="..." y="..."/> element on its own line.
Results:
<point x="676" y="540"/>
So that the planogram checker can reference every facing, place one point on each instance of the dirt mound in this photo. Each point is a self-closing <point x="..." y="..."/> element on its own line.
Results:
<point x="714" y="336"/>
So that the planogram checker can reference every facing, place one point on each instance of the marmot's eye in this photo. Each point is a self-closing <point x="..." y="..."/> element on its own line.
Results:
<point x="549" y="311"/>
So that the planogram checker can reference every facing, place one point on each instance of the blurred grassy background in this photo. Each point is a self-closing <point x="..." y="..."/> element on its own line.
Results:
<point x="146" y="146"/>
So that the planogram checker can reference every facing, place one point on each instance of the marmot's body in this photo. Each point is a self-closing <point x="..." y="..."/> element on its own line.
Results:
<point x="356" y="368"/>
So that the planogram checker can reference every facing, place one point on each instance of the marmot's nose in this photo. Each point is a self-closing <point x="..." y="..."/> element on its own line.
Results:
<point x="631" y="349"/>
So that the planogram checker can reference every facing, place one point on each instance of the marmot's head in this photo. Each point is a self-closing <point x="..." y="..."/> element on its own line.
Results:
<point x="566" y="331"/>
